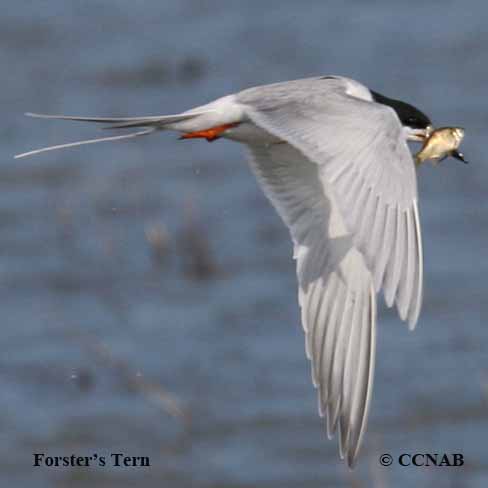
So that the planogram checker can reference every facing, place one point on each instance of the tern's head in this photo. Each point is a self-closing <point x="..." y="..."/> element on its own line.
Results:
<point x="417" y="125"/>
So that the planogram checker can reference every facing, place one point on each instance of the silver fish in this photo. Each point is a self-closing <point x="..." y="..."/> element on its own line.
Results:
<point x="440" y="144"/>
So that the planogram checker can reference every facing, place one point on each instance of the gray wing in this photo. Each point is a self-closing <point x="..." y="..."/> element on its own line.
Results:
<point x="363" y="156"/>
<point x="336" y="292"/>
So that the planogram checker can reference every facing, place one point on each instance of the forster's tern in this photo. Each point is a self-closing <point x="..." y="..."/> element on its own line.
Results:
<point x="332" y="157"/>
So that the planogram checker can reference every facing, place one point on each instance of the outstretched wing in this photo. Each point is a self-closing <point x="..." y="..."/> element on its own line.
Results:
<point x="361" y="153"/>
<point x="336" y="292"/>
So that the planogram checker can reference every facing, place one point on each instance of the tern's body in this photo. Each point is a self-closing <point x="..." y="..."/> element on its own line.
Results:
<point x="332" y="157"/>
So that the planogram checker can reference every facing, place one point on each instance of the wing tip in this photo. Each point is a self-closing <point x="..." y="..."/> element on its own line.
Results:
<point x="351" y="459"/>
<point x="413" y="319"/>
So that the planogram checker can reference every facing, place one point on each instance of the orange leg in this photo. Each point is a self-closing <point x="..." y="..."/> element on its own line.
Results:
<point x="209" y="134"/>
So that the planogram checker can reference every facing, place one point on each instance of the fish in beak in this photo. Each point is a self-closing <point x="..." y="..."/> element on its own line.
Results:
<point x="441" y="143"/>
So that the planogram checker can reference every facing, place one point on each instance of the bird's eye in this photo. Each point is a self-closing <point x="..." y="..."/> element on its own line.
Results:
<point x="411" y="120"/>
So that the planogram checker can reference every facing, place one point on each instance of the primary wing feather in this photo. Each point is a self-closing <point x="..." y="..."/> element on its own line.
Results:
<point x="362" y="154"/>
<point x="336" y="292"/>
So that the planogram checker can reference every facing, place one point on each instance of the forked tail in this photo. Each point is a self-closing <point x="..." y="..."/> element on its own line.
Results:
<point x="153" y="123"/>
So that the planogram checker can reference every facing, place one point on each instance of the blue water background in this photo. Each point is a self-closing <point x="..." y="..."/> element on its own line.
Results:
<point x="135" y="271"/>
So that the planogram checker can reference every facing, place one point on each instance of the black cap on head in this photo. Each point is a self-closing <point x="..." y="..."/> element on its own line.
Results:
<point x="408" y="114"/>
